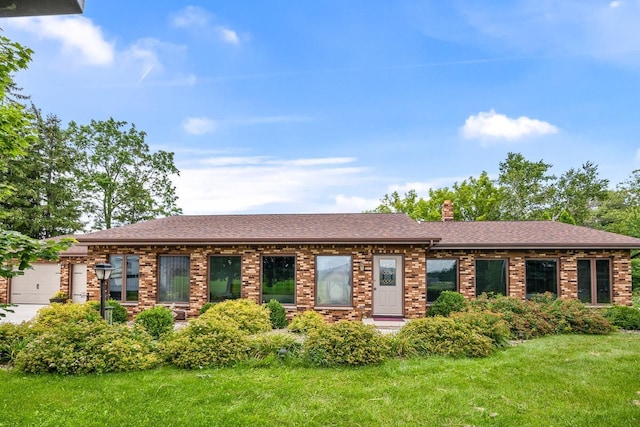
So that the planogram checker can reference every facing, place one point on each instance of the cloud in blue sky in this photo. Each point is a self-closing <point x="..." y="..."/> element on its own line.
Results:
<point x="81" y="39"/>
<point x="198" y="19"/>
<point x="490" y="125"/>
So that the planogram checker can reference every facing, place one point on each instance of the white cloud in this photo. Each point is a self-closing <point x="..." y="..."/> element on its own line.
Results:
<point x="491" y="125"/>
<point x="191" y="16"/>
<point x="234" y="185"/>
<point x="228" y="35"/>
<point x="80" y="37"/>
<point x="199" y="125"/>
<point x="614" y="4"/>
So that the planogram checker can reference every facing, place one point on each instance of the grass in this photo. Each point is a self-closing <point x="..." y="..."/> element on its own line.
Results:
<point x="557" y="380"/>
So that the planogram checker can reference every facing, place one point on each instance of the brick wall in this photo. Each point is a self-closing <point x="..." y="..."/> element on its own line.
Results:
<point x="414" y="259"/>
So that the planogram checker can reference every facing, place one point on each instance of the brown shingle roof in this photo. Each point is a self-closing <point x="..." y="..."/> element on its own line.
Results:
<point x="525" y="234"/>
<point x="283" y="228"/>
<point x="358" y="228"/>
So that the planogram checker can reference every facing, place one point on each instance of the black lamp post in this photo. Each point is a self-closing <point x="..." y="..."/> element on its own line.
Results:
<point x="103" y="272"/>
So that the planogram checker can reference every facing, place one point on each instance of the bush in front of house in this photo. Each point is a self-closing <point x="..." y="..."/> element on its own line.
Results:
<point x="525" y="318"/>
<point x="446" y="337"/>
<point x="488" y="323"/>
<point x="569" y="316"/>
<point x="57" y="314"/>
<point x="277" y="314"/>
<point x="87" y="347"/>
<point x="206" y="306"/>
<point x="157" y="321"/>
<point x="246" y="314"/>
<point x="447" y="303"/>
<point x="345" y="343"/>
<point x="279" y="345"/>
<point x="13" y="339"/>
<point x="307" y="321"/>
<point x="624" y="317"/>
<point x="118" y="313"/>
<point x="205" y="344"/>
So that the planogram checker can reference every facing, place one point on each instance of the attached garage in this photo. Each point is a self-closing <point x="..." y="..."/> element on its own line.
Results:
<point x="37" y="285"/>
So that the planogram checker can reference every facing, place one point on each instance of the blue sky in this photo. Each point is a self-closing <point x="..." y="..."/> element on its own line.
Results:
<point x="299" y="106"/>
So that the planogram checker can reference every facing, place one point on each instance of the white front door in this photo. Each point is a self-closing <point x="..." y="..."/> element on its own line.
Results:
<point x="387" y="285"/>
<point x="79" y="283"/>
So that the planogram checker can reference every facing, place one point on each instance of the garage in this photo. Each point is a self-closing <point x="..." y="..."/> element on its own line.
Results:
<point x="37" y="285"/>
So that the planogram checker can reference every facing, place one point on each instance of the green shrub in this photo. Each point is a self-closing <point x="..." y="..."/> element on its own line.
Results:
<point x="307" y="321"/>
<point x="13" y="339"/>
<point x="206" y="306"/>
<point x="87" y="347"/>
<point x="445" y="336"/>
<point x="488" y="323"/>
<point x="157" y="321"/>
<point x="345" y="343"/>
<point x="283" y="345"/>
<point x="446" y="303"/>
<point x="243" y="313"/>
<point x="206" y="343"/>
<point x="525" y="318"/>
<point x="624" y="317"/>
<point x="572" y="316"/>
<point x="277" y="314"/>
<point x="57" y="314"/>
<point x="118" y="314"/>
<point x="401" y="346"/>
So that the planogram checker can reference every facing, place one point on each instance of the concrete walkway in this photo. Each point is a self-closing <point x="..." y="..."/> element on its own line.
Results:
<point x="21" y="313"/>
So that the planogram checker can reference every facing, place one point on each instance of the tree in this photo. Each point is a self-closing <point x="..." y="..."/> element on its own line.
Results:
<point x="526" y="188"/>
<point x="17" y="251"/>
<point x="121" y="181"/>
<point x="577" y="193"/>
<point x="477" y="199"/>
<point x="45" y="200"/>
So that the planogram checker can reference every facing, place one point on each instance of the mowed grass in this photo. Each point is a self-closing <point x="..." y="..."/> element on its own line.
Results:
<point x="554" y="381"/>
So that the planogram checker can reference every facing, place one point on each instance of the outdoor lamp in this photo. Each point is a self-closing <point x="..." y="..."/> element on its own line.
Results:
<point x="103" y="273"/>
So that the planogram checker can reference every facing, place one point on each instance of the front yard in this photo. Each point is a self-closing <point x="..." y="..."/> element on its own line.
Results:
<point x="557" y="380"/>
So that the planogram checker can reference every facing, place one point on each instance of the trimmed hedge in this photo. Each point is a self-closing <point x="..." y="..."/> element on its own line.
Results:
<point x="157" y="321"/>
<point x="245" y="314"/>
<point x="307" y="321"/>
<point x="447" y="303"/>
<point x="446" y="337"/>
<point x="624" y="317"/>
<point x="345" y="343"/>
<point x="277" y="314"/>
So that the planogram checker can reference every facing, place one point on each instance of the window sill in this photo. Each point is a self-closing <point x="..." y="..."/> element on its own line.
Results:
<point x="332" y="307"/>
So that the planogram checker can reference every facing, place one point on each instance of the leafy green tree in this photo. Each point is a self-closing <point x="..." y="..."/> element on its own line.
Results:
<point x="477" y="199"/>
<point x="45" y="202"/>
<point x="526" y="188"/>
<point x="17" y="251"/>
<point x="576" y="195"/>
<point x="121" y="180"/>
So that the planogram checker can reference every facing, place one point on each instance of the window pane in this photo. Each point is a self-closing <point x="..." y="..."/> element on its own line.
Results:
<point x="224" y="277"/>
<point x="542" y="276"/>
<point x="388" y="272"/>
<point x="442" y="275"/>
<point x="173" y="285"/>
<point x="133" y="277"/>
<point x="584" y="280"/>
<point x="491" y="276"/>
<point x="603" y="281"/>
<point x="278" y="278"/>
<point x="334" y="280"/>
<point x="115" y="281"/>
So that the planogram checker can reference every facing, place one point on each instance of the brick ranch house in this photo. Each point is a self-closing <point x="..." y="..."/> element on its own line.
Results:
<point x="345" y="266"/>
<point x="350" y="266"/>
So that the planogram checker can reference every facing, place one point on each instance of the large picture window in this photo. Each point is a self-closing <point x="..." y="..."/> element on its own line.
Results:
<point x="224" y="277"/>
<point x="594" y="281"/>
<point x="442" y="275"/>
<point x="491" y="276"/>
<point x="125" y="277"/>
<point x="279" y="278"/>
<point x="333" y="276"/>
<point x="173" y="283"/>
<point x="541" y="277"/>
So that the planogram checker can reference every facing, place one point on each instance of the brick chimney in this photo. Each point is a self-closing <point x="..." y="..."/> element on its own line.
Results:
<point x="447" y="211"/>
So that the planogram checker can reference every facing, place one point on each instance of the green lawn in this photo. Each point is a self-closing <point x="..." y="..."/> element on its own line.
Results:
<point x="558" y="380"/>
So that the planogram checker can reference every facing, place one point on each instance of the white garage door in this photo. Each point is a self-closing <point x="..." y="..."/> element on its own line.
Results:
<point x="36" y="286"/>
